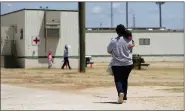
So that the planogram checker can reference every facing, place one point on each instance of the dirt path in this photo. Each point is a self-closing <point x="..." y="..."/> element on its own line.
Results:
<point x="140" y="98"/>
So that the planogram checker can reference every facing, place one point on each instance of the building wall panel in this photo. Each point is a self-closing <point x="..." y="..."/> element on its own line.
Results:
<point x="169" y="43"/>
<point x="8" y="33"/>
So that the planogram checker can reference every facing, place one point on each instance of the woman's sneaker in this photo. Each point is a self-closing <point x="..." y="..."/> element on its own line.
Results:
<point x="120" y="98"/>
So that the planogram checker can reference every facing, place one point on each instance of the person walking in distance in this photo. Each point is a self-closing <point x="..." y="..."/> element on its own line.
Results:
<point x="50" y="59"/>
<point x="121" y="62"/>
<point x="66" y="58"/>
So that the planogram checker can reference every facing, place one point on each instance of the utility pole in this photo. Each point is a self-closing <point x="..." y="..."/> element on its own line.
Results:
<point x="160" y="14"/>
<point x="127" y="14"/>
<point x="111" y="15"/>
<point x="81" y="8"/>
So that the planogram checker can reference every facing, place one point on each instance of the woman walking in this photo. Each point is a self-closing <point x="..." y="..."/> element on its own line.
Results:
<point x="66" y="58"/>
<point x="120" y="49"/>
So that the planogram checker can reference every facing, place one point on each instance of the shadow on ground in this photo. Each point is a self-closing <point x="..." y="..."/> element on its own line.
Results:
<point x="107" y="102"/>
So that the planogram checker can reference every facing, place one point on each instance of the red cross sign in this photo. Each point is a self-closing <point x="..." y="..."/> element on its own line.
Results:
<point x="36" y="40"/>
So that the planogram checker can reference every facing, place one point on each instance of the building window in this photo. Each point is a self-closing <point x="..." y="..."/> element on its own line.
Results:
<point x="21" y="34"/>
<point x="144" y="41"/>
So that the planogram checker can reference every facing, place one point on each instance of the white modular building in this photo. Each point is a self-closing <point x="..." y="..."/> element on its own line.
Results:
<point x="35" y="32"/>
<point x="153" y="45"/>
<point x="30" y="33"/>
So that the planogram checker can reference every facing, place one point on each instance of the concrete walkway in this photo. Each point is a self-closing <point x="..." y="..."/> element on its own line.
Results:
<point x="21" y="98"/>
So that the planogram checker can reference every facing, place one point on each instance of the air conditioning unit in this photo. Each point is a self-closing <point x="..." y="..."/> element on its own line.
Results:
<point x="52" y="30"/>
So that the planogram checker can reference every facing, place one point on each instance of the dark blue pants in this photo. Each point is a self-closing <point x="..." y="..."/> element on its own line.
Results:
<point x="121" y="74"/>
<point x="66" y="61"/>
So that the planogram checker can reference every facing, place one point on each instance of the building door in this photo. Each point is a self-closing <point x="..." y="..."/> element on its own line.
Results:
<point x="7" y="37"/>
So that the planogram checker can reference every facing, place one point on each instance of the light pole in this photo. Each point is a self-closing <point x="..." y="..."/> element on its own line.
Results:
<point x="111" y="15"/>
<point x="134" y="20"/>
<point x="160" y="15"/>
<point x="127" y="14"/>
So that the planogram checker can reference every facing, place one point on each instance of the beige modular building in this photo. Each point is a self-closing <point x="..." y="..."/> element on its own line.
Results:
<point x="29" y="34"/>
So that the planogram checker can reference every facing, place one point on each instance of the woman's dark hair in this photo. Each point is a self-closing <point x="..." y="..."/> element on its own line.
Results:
<point x="120" y="30"/>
